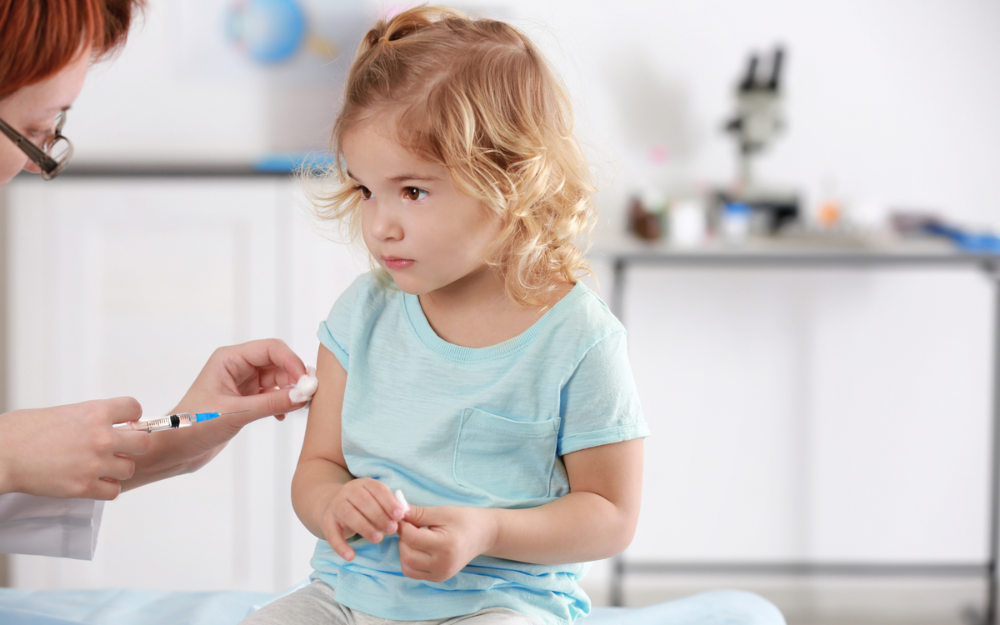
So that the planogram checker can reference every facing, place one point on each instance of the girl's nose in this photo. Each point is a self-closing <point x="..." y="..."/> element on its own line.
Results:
<point x="384" y="225"/>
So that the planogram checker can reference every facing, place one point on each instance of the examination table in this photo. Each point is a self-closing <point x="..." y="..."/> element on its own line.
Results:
<point x="150" y="607"/>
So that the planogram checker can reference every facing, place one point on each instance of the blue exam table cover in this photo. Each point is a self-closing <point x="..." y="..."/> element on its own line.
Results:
<point x="151" y="607"/>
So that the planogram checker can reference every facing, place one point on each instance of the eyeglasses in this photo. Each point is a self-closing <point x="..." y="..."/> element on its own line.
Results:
<point x="54" y="154"/>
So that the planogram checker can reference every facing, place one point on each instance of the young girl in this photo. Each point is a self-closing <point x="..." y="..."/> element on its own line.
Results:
<point x="471" y="370"/>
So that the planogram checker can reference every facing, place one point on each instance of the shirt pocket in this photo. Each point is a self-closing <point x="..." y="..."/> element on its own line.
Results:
<point x="503" y="458"/>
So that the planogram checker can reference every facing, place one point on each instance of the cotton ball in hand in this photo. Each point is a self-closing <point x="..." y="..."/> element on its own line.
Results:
<point x="306" y="387"/>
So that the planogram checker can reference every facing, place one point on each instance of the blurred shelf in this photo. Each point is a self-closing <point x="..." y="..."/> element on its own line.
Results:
<point x="816" y="250"/>
<point x="795" y="251"/>
<point x="170" y="170"/>
<point x="276" y="164"/>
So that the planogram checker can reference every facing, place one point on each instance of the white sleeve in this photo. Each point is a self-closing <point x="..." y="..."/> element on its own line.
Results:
<point x="46" y="526"/>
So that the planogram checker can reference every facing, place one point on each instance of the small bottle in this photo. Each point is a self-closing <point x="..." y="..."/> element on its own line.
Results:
<point x="830" y="211"/>
<point x="735" y="222"/>
<point x="688" y="223"/>
<point x="829" y="214"/>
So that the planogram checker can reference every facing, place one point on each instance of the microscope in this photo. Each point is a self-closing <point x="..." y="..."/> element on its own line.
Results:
<point x="757" y="123"/>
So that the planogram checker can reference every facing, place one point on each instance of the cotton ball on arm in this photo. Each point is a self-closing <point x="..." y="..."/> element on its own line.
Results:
<point x="306" y="387"/>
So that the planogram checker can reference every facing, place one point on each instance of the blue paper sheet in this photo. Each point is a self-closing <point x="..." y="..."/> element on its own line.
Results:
<point x="150" y="607"/>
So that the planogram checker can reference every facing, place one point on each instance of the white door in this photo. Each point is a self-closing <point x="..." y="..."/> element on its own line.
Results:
<point x="125" y="287"/>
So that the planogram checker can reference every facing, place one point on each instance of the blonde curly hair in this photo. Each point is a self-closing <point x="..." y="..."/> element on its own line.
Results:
<point x="476" y="96"/>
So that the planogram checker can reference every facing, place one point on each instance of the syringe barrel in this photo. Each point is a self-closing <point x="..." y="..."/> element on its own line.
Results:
<point x="169" y="422"/>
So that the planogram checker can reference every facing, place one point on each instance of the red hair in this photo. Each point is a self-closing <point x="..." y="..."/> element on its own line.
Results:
<point x="40" y="37"/>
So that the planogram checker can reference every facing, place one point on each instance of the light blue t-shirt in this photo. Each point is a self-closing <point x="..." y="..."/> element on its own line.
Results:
<point x="484" y="427"/>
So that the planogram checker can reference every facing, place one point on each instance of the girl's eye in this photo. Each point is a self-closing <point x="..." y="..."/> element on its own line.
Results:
<point x="415" y="194"/>
<point x="365" y="192"/>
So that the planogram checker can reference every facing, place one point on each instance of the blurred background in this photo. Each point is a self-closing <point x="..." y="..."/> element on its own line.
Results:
<point x="830" y="415"/>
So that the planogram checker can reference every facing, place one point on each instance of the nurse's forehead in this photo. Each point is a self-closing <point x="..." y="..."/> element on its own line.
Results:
<point x="44" y="107"/>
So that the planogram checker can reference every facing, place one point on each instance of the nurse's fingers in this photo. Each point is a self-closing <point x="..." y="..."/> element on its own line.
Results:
<point x="117" y="409"/>
<point x="132" y="443"/>
<point x="267" y="404"/>
<point x="103" y="489"/>
<point x="273" y="377"/>
<point x="119" y="468"/>
<point x="262" y="354"/>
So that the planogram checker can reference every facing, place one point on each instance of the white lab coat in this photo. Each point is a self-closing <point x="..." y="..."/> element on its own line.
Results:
<point x="46" y="526"/>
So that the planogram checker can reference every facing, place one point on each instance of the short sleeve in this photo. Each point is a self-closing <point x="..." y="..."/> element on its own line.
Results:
<point x="599" y="402"/>
<point x="335" y="332"/>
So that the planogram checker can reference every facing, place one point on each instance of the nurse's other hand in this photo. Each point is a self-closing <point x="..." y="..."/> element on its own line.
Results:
<point x="251" y="376"/>
<point x="70" y="451"/>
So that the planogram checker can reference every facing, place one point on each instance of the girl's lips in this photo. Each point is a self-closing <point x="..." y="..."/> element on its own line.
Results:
<point x="391" y="262"/>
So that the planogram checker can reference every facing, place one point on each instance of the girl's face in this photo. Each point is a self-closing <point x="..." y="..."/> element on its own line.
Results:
<point x="32" y="111"/>
<point x="415" y="222"/>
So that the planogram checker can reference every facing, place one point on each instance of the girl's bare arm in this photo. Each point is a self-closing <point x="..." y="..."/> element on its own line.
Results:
<point x="329" y="501"/>
<point x="321" y="470"/>
<point x="596" y="520"/>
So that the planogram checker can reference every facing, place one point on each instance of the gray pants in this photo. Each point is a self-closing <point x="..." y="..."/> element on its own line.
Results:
<point x="315" y="605"/>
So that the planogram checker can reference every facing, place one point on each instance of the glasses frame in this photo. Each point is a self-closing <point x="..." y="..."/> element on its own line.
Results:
<point x="41" y="156"/>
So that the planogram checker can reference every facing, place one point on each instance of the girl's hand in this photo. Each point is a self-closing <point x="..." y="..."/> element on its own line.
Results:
<point x="362" y="506"/>
<point x="437" y="543"/>
<point x="70" y="451"/>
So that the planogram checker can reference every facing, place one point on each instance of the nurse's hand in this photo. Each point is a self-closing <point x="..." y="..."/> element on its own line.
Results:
<point x="251" y="376"/>
<point x="70" y="451"/>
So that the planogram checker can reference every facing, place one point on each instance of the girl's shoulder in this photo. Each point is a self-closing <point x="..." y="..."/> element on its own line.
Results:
<point x="583" y="313"/>
<point x="367" y="295"/>
<point x="370" y="288"/>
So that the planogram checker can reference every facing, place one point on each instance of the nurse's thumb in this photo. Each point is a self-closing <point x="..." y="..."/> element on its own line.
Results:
<point x="272" y="403"/>
<point x="117" y="409"/>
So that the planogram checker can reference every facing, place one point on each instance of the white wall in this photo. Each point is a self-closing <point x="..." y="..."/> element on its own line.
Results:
<point x="895" y="101"/>
<point x="836" y="414"/>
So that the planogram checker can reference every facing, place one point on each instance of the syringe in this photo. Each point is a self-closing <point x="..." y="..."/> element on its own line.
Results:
<point x="171" y="422"/>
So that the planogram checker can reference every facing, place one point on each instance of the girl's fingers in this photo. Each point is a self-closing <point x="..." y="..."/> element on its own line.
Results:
<point x="335" y="536"/>
<point x="382" y="508"/>
<point x="415" y="564"/>
<point x="370" y="508"/>
<point x="416" y="539"/>
<point x="353" y="518"/>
